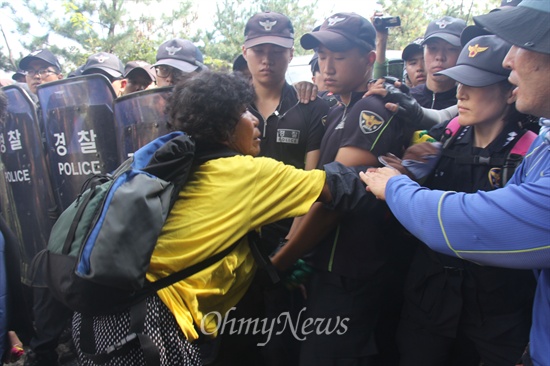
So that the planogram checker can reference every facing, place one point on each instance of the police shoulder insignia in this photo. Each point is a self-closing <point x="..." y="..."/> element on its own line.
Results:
<point x="370" y="122"/>
<point x="495" y="178"/>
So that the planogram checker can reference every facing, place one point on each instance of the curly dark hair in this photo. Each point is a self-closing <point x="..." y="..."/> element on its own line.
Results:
<point x="208" y="105"/>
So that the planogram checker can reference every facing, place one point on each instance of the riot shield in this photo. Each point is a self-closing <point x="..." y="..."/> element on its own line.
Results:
<point x="140" y="118"/>
<point x="26" y="192"/>
<point x="79" y="131"/>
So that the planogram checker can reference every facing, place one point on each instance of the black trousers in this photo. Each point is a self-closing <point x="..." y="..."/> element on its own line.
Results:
<point x="342" y="300"/>
<point x="460" y="315"/>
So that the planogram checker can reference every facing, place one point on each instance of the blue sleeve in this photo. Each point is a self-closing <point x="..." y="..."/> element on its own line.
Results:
<point x="508" y="227"/>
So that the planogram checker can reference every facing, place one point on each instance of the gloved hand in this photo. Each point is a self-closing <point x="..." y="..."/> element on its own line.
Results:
<point x="418" y="161"/>
<point x="297" y="275"/>
<point x="392" y="161"/>
<point x="408" y="109"/>
<point x="421" y="159"/>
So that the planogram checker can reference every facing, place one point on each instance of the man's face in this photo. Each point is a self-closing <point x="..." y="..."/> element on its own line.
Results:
<point x="268" y="62"/>
<point x="415" y="69"/>
<point x="137" y="80"/>
<point x="531" y="75"/>
<point x="439" y="55"/>
<point x="40" y="72"/>
<point x="343" y="72"/>
<point x="168" y="75"/>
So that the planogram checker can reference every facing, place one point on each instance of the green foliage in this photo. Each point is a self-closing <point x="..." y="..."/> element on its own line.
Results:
<point x="231" y="16"/>
<point x="416" y="15"/>
<point x="133" y="29"/>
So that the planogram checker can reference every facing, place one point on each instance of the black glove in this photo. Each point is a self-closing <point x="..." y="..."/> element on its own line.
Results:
<point x="408" y="110"/>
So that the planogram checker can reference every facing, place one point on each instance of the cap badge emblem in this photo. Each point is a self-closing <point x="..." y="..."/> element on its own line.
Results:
<point x="268" y="25"/>
<point x="332" y="21"/>
<point x="101" y="59"/>
<point x="172" y="50"/>
<point x="474" y="50"/>
<point x="443" y="23"/>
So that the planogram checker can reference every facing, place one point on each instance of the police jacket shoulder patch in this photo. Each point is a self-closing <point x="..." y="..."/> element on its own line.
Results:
<point x="370" y="122"/>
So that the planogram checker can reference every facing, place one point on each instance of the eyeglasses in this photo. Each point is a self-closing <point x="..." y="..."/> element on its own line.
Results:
<point x="41" y="72"/>
<point x="166" y="71"/>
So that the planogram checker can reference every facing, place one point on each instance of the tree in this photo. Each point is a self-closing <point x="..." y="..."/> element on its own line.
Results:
<point x="91" y="26"/>
<point x="416" y="15"/>
<point x="225" y="41"/>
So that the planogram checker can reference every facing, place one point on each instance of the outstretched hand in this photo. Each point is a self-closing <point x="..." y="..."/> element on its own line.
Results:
<point x="376" y="180"/>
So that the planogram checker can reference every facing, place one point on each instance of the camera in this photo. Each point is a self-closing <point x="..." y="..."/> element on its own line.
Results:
<point x="386" y="22"/>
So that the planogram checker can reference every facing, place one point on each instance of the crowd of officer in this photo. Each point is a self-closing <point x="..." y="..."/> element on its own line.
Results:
<point x="360" y="262"/>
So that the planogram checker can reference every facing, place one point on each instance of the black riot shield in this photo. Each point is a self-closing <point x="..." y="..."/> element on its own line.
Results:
<point x="26" y="198"/>
<point x="140" y="118"/>
<point x="79" y="130"/>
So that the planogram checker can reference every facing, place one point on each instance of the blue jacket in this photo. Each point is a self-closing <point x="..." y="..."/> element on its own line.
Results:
<point x="508" y="227"/>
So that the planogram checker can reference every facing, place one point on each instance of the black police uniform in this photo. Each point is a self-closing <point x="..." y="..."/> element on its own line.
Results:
<point x="428" y="99"/>
<point x="350" y="262"/>
<point x="450" y="302"/>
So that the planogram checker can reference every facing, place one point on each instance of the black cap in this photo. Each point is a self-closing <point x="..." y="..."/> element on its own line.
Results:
<point x="103" y="61"/>
<point x="447" y="29"/>
<point x="526" y="26"/>
<point x="471" y="32"/>
<point x="180" y="54"/>
<point x="412" y="49"/>
<point x="314" y="63"/>
<point x="19" y="75"/>
<point x="76" y="72"/>
<point x="480" y="62"/>
<point x="505" y="4"/>
<point x="341" y="32"/>
<point x="42" y="55"/>
<point x="239" y="63"/>
<point x="139" y="66"/>
<point x="269" y="27"/>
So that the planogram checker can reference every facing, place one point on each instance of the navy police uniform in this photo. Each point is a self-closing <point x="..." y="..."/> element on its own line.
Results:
<point x="293" y="130"/>
<point x="351" y="261"/>
<point x="428" y="99"/>
<point x="450" y="302"/>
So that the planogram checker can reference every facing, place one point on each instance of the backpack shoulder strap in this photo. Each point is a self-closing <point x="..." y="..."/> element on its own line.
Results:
<point x="453" y="126"/>
<point x="514" y="158"/>
<point x="522" y="145"/>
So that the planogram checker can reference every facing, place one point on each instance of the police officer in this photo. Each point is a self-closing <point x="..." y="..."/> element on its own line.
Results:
<point x="507" y="227"/>
<point x="450" y="303"/>
<point x="441" y="48"/>
<point x="175" y="58"/>
<point x="351" y="258"/>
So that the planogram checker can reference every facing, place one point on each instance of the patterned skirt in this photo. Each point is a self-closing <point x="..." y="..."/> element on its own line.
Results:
<point x="160" y="326"/>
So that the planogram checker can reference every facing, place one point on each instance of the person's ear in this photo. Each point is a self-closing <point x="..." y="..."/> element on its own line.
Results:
<point x="371" y="57"/>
